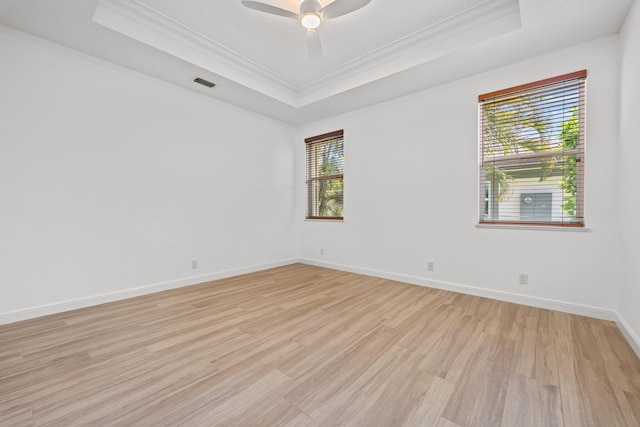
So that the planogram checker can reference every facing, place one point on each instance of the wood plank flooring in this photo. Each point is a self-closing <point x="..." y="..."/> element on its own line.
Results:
<point x="307" y="346"/>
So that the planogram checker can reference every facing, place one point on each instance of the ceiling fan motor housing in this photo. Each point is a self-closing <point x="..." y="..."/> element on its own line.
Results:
<point x="310" y="6"/>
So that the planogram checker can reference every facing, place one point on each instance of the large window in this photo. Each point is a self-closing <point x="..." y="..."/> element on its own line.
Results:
<point x="532" y="153"/>
<point x="325" y="176"/>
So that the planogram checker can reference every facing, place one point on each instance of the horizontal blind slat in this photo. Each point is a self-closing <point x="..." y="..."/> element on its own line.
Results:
<point x="325" y="170"/>
<point x="531" y="152"/>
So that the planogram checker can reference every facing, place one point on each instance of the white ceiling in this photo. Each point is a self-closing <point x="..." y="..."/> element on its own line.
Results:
<point x="259" y="61"/>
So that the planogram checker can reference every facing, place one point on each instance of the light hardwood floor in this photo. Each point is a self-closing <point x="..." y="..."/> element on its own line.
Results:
<point x="306" y="346"/>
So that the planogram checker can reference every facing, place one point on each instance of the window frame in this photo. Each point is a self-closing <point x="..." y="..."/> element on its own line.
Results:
<point x="312" y="177"/>
<point x="579" y="78"/>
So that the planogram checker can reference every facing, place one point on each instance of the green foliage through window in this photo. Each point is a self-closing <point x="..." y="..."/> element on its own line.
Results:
<point x="532" y="147"/>
<point x="325" y="176"/>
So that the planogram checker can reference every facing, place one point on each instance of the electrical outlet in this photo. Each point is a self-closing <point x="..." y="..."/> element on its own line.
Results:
<point x="321" y="251"/>
<point x="430" y="266"/>
<point x="194" y="264"/>
<point x="523" y="279"/>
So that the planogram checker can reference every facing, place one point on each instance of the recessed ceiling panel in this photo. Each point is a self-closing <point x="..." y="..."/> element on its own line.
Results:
<point x="357" y="51"/>
<point x="279" y="44"/>
<point x="259" y="62"/>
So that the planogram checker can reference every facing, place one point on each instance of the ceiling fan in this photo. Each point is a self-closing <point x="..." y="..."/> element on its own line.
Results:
<point x="311" y="16"/>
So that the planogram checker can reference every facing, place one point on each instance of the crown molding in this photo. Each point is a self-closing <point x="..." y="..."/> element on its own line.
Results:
<point x="133" y="19"/>
<point x="146" y="25"/>
<point x="482" y="22"/>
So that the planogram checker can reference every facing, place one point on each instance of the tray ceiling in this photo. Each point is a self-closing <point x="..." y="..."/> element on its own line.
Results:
<point x="259" y="61"/>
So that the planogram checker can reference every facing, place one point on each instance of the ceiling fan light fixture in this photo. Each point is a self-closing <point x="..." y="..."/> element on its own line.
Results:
<point x="310" y="20"/>
<point x="311" y="14"/>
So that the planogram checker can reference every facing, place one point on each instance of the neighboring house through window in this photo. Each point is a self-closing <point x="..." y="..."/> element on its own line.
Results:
<point x="532" y="153"/>
<point x="325" y="176"/>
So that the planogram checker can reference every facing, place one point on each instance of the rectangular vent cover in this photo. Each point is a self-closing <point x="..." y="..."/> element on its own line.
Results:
<point x="204" y="82"/>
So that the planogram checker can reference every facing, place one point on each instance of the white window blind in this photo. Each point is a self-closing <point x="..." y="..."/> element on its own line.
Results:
<point x="532" y="153"/>
<point x="325" y="176"/>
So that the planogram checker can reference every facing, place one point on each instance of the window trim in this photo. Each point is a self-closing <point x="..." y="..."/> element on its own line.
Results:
<point x="309" y="180"/>
<point x="579" y="152"/>
<point x="582" y="74"/>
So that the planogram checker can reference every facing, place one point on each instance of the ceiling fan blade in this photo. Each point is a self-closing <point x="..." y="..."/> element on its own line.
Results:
<point x="342" y="7"/>
<point x="313" y="45"/>
<point x="262" y="7"/>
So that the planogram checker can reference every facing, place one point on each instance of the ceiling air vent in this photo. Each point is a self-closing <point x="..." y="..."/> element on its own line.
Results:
<point x="204" y="82"/>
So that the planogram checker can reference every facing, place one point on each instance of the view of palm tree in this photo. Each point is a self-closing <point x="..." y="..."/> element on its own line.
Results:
<point x="530" y="147"/>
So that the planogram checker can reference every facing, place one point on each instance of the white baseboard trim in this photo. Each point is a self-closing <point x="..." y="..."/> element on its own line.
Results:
<point x="546" y="303"/>
<point x="59" y="307"/>
<point x="628" y="333"/>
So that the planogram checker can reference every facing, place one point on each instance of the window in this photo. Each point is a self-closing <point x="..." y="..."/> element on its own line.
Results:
<point x="325" y="173"/>
<point x="532" y="153"/>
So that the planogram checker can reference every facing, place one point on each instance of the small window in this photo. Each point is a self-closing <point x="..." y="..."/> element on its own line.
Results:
<point x="325" y="176"/>
<point x="532" y="153"/>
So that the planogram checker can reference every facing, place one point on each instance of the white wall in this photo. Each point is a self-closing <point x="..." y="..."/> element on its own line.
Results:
<point x="110" y="180"/>
<point x="411" y="193"/>
<point x="629" y="301"/>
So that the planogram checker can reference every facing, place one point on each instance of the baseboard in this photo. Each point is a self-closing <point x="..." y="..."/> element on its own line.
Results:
<point x="628" y="333"/>
<point x="60" y="307"/>
<point x="546" y="303"/>
<point x="550" y="304"/>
